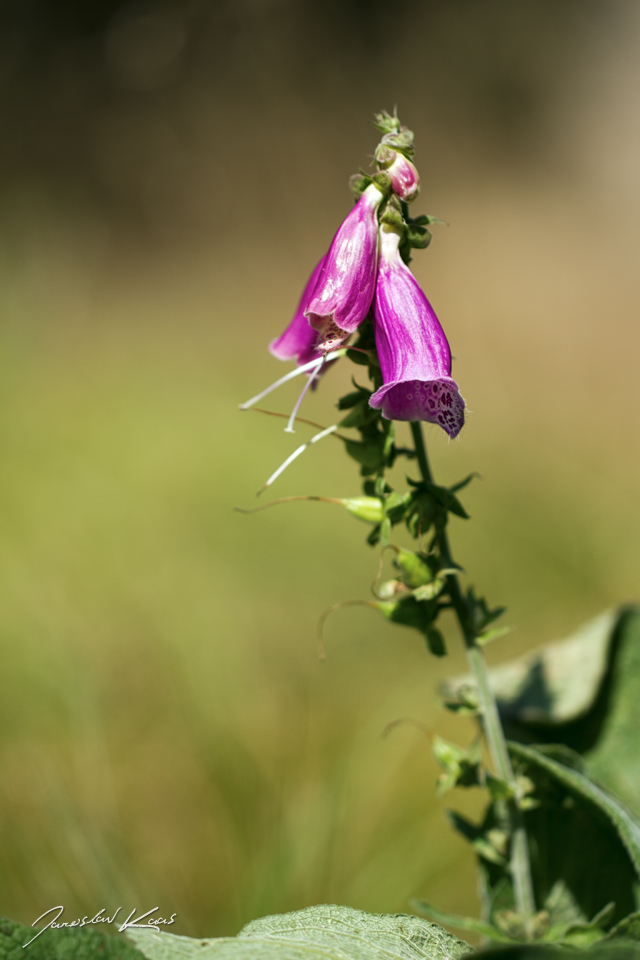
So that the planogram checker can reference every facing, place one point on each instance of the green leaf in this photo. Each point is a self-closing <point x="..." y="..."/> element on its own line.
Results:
<point x="490" y="635"/>
<point x="604" y="950"/>
<point x="317" y="933"/>
<point x="629" y="928"/>
<point x="82" y="943"/>
<point x="359" y="414"/>
<point x="350" y="400"/>
<point x="359" y="358"/>
<point x="579" y="834"/>
<point x="584" y="789"/>
<point x="435" y="642"/>
<point x="472" y="924"/>
<point x="583" y="692"/>
<point x="583" y="843"/>
<point x="370" y="455"/>
<point x="443" y="495"/>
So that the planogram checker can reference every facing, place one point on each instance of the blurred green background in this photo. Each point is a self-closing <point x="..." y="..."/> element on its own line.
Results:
<point x="169" y="174"/>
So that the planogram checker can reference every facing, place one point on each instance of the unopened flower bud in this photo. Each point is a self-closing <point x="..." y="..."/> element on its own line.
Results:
<point x="405" y="180"/>
<point x="368" y="509"/>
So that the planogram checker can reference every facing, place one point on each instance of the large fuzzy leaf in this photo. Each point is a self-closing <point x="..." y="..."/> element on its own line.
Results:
<point x="604" y="950"/>
<point x="580" y="835"/>
<point x="586" y="791"/>
<point x="584" y="844"/>
<point x="84" y="943"/>
<point x="615" y="759"/>
<point x="565" y="691"/>
<point x="317" y="933"/>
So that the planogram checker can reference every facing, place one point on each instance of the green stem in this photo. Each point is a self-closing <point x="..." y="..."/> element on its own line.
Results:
<point x="494" y="734"/>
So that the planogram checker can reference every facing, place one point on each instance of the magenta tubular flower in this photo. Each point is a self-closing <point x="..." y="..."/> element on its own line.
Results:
<point x="298" y="342"/>
<point x="415" y="359"/>
<point x="405" y="179"/>
<point x="347" y="281"/>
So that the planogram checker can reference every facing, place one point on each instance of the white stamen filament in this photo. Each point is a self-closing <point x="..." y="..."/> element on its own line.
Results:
<point x="296" y="454"/>
<point x="335" y="355"/>
<point x="294" y="412"/>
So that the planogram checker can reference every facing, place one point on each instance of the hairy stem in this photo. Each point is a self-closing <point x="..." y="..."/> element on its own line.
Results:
<point x="494" y="734"/>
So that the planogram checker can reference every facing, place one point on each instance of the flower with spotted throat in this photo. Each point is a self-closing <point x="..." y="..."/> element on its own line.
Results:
<point x="413" y="351"/>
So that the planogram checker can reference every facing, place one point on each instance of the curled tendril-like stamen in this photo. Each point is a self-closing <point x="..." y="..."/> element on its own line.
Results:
<point x="409" y="721"/>
<point x="336" y="606"/>
<point x="274" y="503"/>
<point x="285" y="416"/>
<point x="295" y="455"/>
<point x="388" y="546"/>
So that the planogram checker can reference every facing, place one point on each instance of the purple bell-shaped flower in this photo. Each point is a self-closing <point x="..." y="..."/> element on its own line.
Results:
<point x="414" y="354"/>
<point x="298" y="342"/>
<point x="347" y="280"/>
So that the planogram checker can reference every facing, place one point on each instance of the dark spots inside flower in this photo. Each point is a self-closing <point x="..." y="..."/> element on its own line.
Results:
<point x="331" y="336"/>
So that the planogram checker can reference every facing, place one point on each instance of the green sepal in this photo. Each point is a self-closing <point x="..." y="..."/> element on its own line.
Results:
<point x="484" y="638"/>
<point x="442" y="495"/>
<point x="479" y="615"/>
<point x="415" y="568"/>
<point x="382" y="181"/>
<point x="395" y="505"/>
<point x="409" y="612"/>
<point x="385" y="532"/>
<point x="461" y="765"/>
<point x="386" y="122"/>
<point x="425" y="220"/>
<point x="417" y="237"/>
<point x="466" y="702"/>
<point x="359" y="182"/>
<point x="391" y="213"/>
<point x="401" y="141"/>
<point x="498" y="789"/>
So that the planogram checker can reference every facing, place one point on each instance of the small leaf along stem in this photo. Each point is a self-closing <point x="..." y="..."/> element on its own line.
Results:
<point x="492" y="727"/>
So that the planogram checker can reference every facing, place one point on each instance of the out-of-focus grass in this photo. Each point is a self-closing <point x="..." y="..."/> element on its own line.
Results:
<point x="168" y="735"/>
